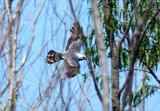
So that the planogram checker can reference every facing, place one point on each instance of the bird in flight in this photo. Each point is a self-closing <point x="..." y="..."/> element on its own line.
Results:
<point x="72" y="54"/>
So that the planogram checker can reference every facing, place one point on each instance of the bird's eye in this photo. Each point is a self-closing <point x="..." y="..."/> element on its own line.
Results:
<point x="84" y="57"/>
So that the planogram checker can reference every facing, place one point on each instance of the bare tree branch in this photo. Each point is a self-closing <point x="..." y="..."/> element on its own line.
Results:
<point x="47" y="93"/>
<point x="151" y="72"/>
<point x="136" y="39"/>
<point x="91" y="70"/>
<point x="72" y="10"/>
<point x="101" y="51"/>
<point x="12" y="58"/>
<point x="84" y="93"/>
<point x="26" y="54"/>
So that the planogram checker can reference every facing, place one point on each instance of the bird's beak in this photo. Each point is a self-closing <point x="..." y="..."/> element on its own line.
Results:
<point x="84" y="58"/>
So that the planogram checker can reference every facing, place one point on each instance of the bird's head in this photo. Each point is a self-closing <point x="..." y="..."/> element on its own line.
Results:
<point x="81" y="56"/>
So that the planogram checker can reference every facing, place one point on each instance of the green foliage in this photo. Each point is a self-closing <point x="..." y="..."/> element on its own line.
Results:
<point x="91" y="51"/>
<point x="116" y="24"/>
<point x="85" y="76"/>
<point x="143" y="6"/>
<point x="99" y="81"/>
<point x="145" y="91"/>
<point x="150" y="46"/>
<point x="132" y="21"/>
<point x="125" y="58"/>
<point x="110" y="24"/>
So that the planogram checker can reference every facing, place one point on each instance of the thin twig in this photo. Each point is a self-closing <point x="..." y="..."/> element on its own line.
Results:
<point x="72" y="10"/>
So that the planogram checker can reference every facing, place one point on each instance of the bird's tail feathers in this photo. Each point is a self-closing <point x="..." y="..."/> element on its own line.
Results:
<point x="53" y="57"/>
<point x="72" y="73"/>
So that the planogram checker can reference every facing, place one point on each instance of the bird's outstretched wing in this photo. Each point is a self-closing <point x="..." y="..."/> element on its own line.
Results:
<point x="73" y="47"/>
<point x="71" y="59"/>
<point x="77" y="32"/>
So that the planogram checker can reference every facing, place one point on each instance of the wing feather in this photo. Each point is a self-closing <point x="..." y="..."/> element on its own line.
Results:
<point x="76" y="31"/>
<point x="71" y="62"/>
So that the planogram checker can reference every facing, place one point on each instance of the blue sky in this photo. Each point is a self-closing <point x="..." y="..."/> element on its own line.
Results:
<point x="51" y="33"/>
<point x="48" y="37"/>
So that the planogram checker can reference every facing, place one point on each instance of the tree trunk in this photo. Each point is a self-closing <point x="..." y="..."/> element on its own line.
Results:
<point x="115" y="79"/>
<point x="102" y="55"/>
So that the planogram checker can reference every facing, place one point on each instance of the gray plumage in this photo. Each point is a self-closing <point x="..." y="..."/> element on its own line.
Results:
<point x="72" y="54"/>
